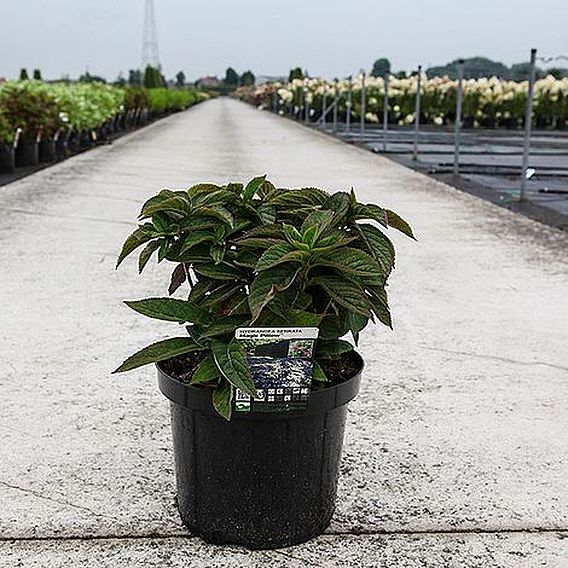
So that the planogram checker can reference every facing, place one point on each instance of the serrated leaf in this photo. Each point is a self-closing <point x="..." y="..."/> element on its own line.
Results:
<point x="266" y="285"/>
<point x="147" y="253"/>
<point x="195" y="238"/>
<point x="227" y="325"/>
<point x="379" y="303"/>
<point x="378" y="245"/>
<point x="176" y="203"/>
<point x="217" y="211"/>
<point x="303" y="319"/>
<point x="160" y="197"/>
<point x="169" y="309"/>
<point x="253" y="186"/>
<point x="159" y="351"/>
<point x="206" y="372"/>
<point x="277" y="254"/>
<point x="138" y="237"/>
<point x="370" y="211"/>
<point x="292" y="234"/>
<point x="199" y="188"/>
<point x="350" y="260"/>
<point x="397" y="222"/>
<point x="221" y="271"/>
<point x="231" y="361"/>
<point x="217" y="252"/>
<point x="223" y="399"/>
<point x="302" y="197"/>
<point x="344" y="292"/>
<point x="178" y="277"/>
<point x="267" y="213"/>
<point x="356" y="323"/>
<point x="332" y="348"/>
<point x="339" y="203"/>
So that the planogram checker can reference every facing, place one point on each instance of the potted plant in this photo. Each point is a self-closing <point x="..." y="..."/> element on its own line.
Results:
<point x="35" y="112"/>
<point x="7" y="144"/>
<point x="257" y="255"/>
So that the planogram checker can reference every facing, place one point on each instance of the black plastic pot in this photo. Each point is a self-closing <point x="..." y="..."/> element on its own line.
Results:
<point x="47" y="150"/>
<point x="7" y="158"/>
<point x="260" y="480"/>
<point x="27" y="153"/>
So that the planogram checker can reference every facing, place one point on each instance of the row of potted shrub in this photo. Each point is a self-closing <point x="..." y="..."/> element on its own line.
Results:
<point x="43" y="122"/>
<point x="487" y="102"/>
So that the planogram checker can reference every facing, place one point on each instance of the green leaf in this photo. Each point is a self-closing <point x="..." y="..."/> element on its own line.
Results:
<point x="266" y="285"/>
<point x="147" y="253"/>
<point x="267" y="213"/>
<point x="397" y="222"/>
<point x="332" y="348"/>
<point x="227" y="325"/>
<point x="199" y="188"/>
<point x="277" y="254"/>
<point x="370" y="211"/>
<point x="318" y="373"/>
<point x="216" y="211"/>
<point x="195" y="238"/>
<point x="350" y="260"/>
<point x="302" y="318"/>
<point x="141" y="235"/>
<point x="217" y="252"/>
<point x="206" y="372"/>
<point x="344" y="292"/>
<point x="177" y="203"/>
<point x="221" y="271"/>
<point x="161" y="197"/>
<point x="378" y="245"/>
<point x="380" y="306"/>
<point x="252" y="187"/>
<point x="223" y="399"/>
<point x="169" y="309"/>
<point x="334" y="326"/>
<point x="356" y="323"/>
<point x="231" y="360"/>
<point x="292" y="234"/>
<point x="339" y="203"/>
<point x="306" y="196"/>
<point x="159" y="351"/>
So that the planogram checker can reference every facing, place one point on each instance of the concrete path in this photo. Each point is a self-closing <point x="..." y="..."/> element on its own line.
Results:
<point x="456" y="448"/>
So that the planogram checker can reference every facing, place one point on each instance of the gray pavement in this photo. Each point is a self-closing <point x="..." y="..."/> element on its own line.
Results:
<point x="456" y="448"/>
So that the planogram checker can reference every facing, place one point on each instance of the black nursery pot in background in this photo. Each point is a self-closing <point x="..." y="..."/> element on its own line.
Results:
<point x="47" y="150"/>
<point x="7" y="158"/>
<point x="259" y="480"/>
<point x="27" y="153"/>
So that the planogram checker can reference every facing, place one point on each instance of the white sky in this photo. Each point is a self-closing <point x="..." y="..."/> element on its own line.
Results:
<point x="327" y="37"/>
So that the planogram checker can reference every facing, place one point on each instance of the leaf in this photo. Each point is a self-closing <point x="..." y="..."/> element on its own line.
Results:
<point x="195" y="238"/>
<point x="138" y="237"/>
<point x="221" y="271"/>
<point x="223" y="399"/>
<point x="353" y="261"/>
<point x="252" y="187"/>
<point x="161" y="197"/>
<point x="370" y="211"/>
<point x="299" y="197"/>
<point x="227" y="325"/>
<point x="206" y="371"/>
<point x="176" y="203"/>
<point x="339" y="203"/>
<point x="277" y="254"/>
<point x="334" y="326"/>
<point x="397" y="222"/>
<point x="195" y="190"/>
<point x="378" y="245"/>
<point x="159" y="351"/>
<point x="302" y="318"/>
<point x="332" y="348"/>
<point x="292" y="234"/>
<point x="266" y="285"/>
<point x="356" y="323"/>
<point x="231" y="360"/>
<point x="267" y="213"/>
<point x="216" y="211"/>
<point x="169" y="309"/>
<point x="217" y="252"/>
<point x="179" y="276"/>
<point x="380" y="306"/>
<point x="318" y="373"/>
<point x="147" y="253"/>
<point x="344" y="292"/>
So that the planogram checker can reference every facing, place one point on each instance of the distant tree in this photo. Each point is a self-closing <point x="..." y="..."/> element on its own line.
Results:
<point x="37" y="75"/>
<point x="152" y="78"/>
<point x="120" y="80"/>
<point x="88" y="78"/>
<point x="23" y="74"/>
<point x="520" y="72"/>
<point x="381" y="67"/>
<point x="295" y="73"/>
<point x="180" y="79"/>
<point x="557" y="72"/>
<point x="231" y="77"/>
<point x="401" y="75"/>
<point x="248" y="78"/>
<point x="135" y="77"/>
<point x="474" y="68"/>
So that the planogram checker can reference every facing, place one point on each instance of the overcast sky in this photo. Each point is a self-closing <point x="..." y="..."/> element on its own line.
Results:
<point x="326" y="37"/>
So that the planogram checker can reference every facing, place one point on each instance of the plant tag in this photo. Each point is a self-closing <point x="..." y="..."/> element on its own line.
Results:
<point x="281" y="365"/>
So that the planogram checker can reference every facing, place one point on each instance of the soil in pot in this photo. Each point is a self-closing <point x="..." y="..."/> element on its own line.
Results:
<point x="259" y="480"/>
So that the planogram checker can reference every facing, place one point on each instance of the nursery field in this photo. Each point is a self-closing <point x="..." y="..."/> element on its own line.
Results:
<point x="455" y="449"/>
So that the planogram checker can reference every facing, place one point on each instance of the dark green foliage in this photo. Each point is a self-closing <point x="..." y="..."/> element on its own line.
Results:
<point x="37" y="75"/>
<point x="248" y="78"/>
<point x="295" y="73"/>
<point x="231" y="77"/>
<point x="152" y="78"/>
<point x="180" y="79"/>
<point x="381" y="68"/>
<point x="24" y="74"/>
<point x="135" y="77"/>
<point x="474" y="68"/>
<point x="264" y="256"/>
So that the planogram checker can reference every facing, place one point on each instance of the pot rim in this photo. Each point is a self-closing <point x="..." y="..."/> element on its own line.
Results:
<point x="320" y="400"/>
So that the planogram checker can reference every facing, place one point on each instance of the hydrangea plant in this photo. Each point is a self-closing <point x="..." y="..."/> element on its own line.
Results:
<point x="263" y="256"/>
